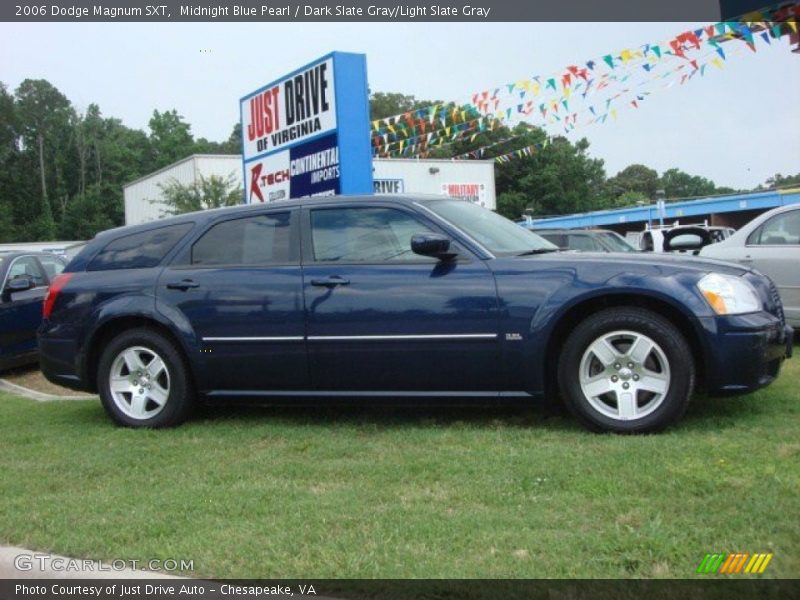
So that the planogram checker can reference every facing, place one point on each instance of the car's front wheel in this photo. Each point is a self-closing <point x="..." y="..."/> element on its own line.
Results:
<point x="626" y="370"/>
<point x="143" y="381"/>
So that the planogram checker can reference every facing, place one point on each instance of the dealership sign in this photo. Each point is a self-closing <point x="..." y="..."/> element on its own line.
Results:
<point x="307" y="134"/>
<point x="388" y="186"/>
<point x="473" y="192"/>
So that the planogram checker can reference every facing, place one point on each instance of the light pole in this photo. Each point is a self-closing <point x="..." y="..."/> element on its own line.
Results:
<point x="660" y="206"/>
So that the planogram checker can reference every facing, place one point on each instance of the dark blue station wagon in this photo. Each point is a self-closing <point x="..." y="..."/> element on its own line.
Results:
<point x="400" y="297"/>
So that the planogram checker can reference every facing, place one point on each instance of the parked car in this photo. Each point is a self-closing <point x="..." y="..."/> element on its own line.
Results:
<point x="769" y="243"/>
<point x="25" y="277"/>
<point x="404" y="297"/>
<point x="586" y="240"/>
<point x="682" y="238"/>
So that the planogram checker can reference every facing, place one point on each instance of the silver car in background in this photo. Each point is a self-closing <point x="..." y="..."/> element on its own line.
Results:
<point x="770" y="243"/>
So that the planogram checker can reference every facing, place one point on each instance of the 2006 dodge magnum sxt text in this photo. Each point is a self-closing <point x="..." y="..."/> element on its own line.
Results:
<point x="399" y="297"/>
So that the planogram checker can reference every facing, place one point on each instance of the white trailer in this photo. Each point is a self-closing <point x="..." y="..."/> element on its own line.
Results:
<point x="469" y="179"/>
<point x="143" y="197"/>
<point x="54" y="247"/>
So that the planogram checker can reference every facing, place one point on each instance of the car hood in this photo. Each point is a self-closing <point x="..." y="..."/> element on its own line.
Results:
<point x="627" y="260"/>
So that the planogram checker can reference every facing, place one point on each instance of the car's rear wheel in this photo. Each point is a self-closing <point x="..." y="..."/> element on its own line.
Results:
<point x="626" y="370"/>
<point x="143" y="381"/>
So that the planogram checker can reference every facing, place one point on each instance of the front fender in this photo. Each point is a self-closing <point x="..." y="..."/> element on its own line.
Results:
<point x="677" y="291"/>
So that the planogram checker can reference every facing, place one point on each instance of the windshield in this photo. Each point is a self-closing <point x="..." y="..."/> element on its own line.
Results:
<point x="495" y="233"/>
<point x="616" y="243"/>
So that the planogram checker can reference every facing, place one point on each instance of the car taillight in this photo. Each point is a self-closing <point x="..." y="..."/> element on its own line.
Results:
<point x="55" y="289"/>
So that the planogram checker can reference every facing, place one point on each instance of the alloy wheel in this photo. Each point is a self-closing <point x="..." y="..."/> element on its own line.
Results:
<point x="624" y="375"/>
<point x="139" y="382"/>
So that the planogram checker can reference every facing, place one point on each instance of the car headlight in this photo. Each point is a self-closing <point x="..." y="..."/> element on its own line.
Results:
<point x="728" y="295"/>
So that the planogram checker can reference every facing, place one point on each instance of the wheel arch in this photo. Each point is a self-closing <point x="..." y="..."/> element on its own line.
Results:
<point x="117" y="325"/>
<point x="574" y="314"/>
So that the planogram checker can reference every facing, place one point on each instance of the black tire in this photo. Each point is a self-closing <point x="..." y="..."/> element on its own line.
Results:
<point x="672" y="345"/>
<point x="180" y="399"/>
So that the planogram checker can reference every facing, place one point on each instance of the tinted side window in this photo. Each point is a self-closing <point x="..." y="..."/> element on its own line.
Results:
<point x="583" y="243"/>
<point x="258" y="240"/>
<point x="364" y="234"/>
<point x="26" y="266"/>
<point x="139" y="250"/>
<point x="556" y="238"/>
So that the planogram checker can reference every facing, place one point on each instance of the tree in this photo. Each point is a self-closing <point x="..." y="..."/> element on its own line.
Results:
<point x="9" y="156"/>
<point x="779" y="180"/>
<point x="91" y="212"/>
<point x="9" y="138"/>
<point x="677" y="184"/>
<point x="383" y="105"/>
<point x="635" y="178"/>
<point x="208" y="192"/>
<point x="233" y="145"/>
<point x="559" y="179"/>
<point x="45" y="117"/>
<point x="170" y="138"/>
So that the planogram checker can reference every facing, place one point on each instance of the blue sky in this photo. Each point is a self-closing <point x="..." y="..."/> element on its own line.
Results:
<point x="737" y="126"/>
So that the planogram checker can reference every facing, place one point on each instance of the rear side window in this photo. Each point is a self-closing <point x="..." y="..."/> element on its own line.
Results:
<point x="139" y="250"/>
<point x="259" y="240"/>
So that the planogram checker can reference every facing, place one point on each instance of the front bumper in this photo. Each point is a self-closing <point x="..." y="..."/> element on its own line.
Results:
<point x="744" y="352"/>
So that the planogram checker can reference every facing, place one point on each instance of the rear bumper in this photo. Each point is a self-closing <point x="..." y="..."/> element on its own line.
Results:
<point x="59" y="360"/>
<point x="744" y="352"/>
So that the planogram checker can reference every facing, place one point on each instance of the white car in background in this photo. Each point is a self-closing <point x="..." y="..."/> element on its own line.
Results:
<point x="682" y="238"/>
<point x="770" y="243"/>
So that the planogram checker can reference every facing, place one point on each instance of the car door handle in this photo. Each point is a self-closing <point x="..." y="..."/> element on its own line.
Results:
<point x="182" y="285"/>
<point x="330" y="282"/>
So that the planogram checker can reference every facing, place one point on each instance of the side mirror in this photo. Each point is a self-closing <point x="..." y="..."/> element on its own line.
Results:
<point x="432" y="244"/>
<point x="23" y="283"/>
<point x="686" y="241"/>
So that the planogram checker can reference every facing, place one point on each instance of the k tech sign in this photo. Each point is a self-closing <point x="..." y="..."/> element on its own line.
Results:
<point x="308" y="133"/>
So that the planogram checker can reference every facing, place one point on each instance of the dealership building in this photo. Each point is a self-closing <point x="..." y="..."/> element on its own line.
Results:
<point x="733" y="210"/>
<point x="471" y="180"/>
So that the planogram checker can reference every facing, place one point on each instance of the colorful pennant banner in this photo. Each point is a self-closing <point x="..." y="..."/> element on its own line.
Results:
<point x="582" y="94"/>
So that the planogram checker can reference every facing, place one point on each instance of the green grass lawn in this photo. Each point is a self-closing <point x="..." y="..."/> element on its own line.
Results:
<point x="407" y="492"/>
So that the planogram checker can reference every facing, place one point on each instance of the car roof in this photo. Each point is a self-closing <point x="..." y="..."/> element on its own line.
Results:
<point x="10" y="254"/>
<point x="781" y="209"/>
